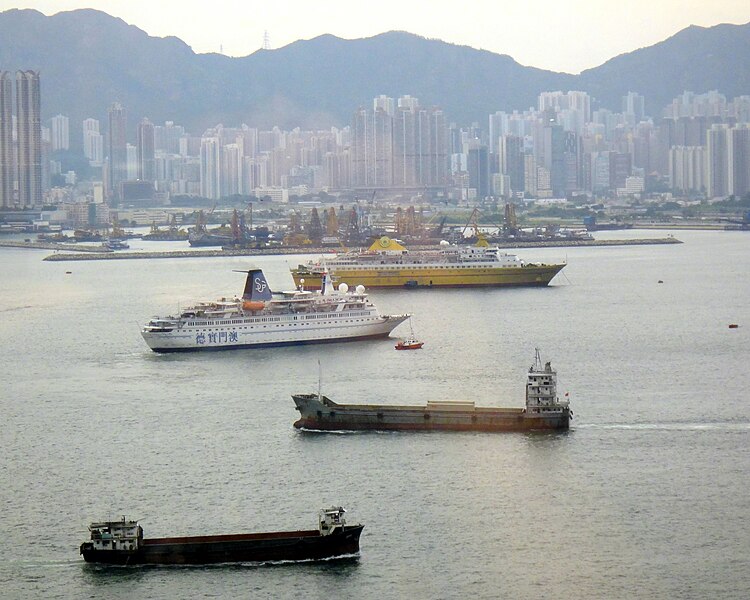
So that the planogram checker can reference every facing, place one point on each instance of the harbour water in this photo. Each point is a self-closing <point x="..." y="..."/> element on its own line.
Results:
<point x="645" y="497"/>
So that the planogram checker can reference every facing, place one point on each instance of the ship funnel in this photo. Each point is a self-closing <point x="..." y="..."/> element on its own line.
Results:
<point x="256" y="286"/>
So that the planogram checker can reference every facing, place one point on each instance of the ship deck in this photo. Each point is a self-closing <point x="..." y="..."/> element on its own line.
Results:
<point x="235" y="537"/>
<point x="442" y="407"/>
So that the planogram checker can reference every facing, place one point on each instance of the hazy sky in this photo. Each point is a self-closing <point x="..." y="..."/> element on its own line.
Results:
<point x="561" y="35"/>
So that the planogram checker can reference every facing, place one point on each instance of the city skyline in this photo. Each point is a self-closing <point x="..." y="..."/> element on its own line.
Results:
<point x="567" y="38"/>
<point x="562" y="147"/>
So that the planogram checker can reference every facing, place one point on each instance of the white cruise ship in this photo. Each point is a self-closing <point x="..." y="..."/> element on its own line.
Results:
<point x="263" y="318"/>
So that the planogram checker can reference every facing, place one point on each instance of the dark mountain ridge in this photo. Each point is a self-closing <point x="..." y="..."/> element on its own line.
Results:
<point x="89" y="59"/>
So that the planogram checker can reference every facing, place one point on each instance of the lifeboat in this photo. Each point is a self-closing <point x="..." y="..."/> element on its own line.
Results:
<point x="253" y="305"/>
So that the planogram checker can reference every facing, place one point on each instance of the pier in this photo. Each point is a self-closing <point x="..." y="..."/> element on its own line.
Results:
<point x="69" y="256"/>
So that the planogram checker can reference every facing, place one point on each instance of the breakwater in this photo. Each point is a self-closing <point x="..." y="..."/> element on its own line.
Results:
<point x="316" y="250"/>
<point x="39" y="245"/>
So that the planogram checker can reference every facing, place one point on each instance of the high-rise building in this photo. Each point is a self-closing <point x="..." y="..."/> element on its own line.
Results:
<point x="382" y="128"/>
<point x="372" y="148"/>
<point x="634" y="105"/>
<point x="529" y="174"/>
<point x="362" y="134"/>
<point x="145" y="144"/>
<point x="6" y="141"/>
<point x="29" y="126"/>
<point x="118" y="149"/>
<point x="408" y="148"/>
<point x="131" y="168"/>
<point x="60" y="132"/>
<point x="717" y="161"/>
<point x="231" y="169"/>
<point x="553" y="157"/>
<point x="93" y="142"/>
<point x="167" y="137"/>
<point x="478" y="167"/>
<point x="404" y="148"/>
<point x="210" y="168"/>
<point x="511" y="160"/>
<point x="620" y="168"/>
<point x="498" y="127"/>
<point x="739" y="160"/>
<point x="384" y="103"/>
<point x="438" y="148"/>
<point x="687" y="168"/>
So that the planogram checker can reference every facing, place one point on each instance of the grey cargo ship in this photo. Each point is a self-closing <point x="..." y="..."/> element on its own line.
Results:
<point x="544" y="411"/>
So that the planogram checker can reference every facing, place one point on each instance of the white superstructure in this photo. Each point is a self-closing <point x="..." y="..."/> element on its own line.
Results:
<point x="261" y="318"/>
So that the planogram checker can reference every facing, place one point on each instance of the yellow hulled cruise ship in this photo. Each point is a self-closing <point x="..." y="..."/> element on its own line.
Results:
<point x="389" y="264"/>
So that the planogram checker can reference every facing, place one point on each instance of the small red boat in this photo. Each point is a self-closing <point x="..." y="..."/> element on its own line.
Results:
<point x="409" y="344"/>
<point x="733" y="326"/>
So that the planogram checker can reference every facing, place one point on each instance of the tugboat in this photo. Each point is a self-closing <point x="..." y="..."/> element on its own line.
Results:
<point x="122" y="543"/>
<point x="410" y="343"/>
<point x="544" y="411"/>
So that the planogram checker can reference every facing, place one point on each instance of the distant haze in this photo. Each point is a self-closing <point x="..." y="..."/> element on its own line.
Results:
<point x="89" y="59"/>
<point x="548" y="34"/>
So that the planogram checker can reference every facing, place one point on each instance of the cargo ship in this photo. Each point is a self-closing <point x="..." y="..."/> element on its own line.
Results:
<point x="544" y="411"/>
<point x="122" y="543"/>
<point x="388" y="264"/>
<point x="264" y="318"/>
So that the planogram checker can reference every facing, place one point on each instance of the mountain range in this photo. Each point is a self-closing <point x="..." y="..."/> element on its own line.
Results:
<point x="89" y="59"/>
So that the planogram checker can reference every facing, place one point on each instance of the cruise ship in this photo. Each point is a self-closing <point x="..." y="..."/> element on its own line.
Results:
<point x="388" y="264"/>
<point x="264" y="318"/>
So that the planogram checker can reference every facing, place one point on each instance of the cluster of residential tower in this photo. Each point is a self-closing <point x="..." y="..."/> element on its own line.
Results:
<point x="563" y="147"/>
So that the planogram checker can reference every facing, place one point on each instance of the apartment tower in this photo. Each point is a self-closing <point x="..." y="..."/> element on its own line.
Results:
<point x="28" y="114"/>
<point x="6" y="141"/>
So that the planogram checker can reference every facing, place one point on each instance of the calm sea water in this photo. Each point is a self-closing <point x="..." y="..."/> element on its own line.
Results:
<point x="646" y="496"/>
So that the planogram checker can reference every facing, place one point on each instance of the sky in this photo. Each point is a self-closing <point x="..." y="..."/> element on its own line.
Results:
<point x="559" y="35"/>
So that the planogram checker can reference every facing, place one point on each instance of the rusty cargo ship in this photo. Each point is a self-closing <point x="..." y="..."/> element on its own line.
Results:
<point x="122" y="543"/>
<point x="544" y="411"/>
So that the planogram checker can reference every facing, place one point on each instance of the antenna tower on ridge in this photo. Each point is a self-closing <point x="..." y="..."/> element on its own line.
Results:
<point x="266" y="40"/>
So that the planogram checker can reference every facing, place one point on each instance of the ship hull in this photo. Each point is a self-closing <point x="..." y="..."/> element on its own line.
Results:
<point x="326" y="416"/>
<point x="203" y="550"/>
<point x="426" y="277"/>
<point x="186" y="339"/>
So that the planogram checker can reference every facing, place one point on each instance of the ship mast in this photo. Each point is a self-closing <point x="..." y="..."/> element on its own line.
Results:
<point x="320" y="376"/>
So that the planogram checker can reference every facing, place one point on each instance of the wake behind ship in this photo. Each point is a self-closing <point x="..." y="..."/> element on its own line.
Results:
<point x="388" y="264"/>
<point x="122" y="543"/>
<point x="264" y="318"/>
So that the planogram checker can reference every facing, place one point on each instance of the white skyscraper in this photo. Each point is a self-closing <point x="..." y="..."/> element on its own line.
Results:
<point x="384" y="103"/>
<point x="210" y="171"/>
<point x="131" y="169"/>
<point x="93" y="143"/>
<point x="60" y="129"/>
